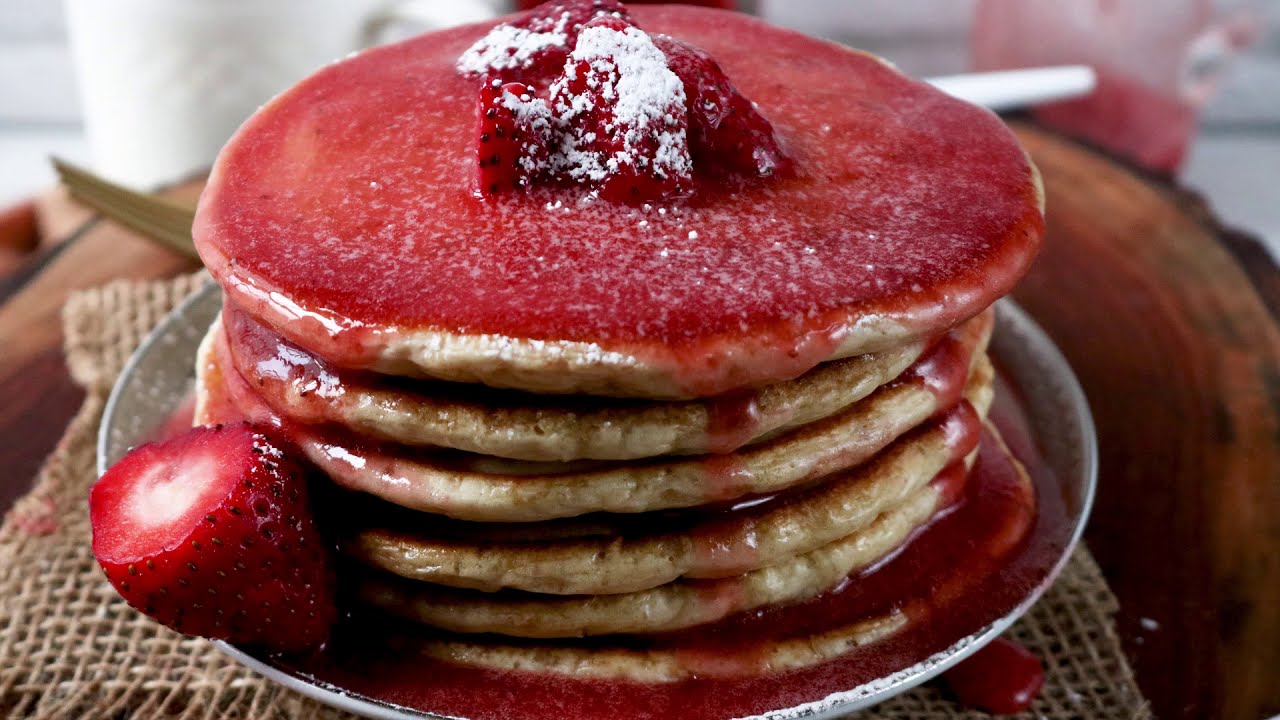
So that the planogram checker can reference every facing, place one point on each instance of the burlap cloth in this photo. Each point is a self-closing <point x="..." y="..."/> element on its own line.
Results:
<point x="70" y="648"/>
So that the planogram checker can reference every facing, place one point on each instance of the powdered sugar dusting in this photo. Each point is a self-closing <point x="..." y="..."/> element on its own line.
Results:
<point x="532" y="114"/>
<point x="617" y="116"/>
<point x="508" y="47"/>
<point x="263" y="447"/>
<point x="645" y="97"/>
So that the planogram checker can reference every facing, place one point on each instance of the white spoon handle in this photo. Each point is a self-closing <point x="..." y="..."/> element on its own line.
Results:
<point x="1008" y="89"/>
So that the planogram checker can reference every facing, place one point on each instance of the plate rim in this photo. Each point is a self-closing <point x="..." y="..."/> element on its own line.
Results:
<point x="860" y="697"/>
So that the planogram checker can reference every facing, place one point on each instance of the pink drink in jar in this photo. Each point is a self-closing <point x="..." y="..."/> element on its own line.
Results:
<point x="1155" y="61"/>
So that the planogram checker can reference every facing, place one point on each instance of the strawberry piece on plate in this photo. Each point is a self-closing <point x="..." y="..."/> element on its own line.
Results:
<point x="210" y="533"/>
<point x="1001" y="678"/>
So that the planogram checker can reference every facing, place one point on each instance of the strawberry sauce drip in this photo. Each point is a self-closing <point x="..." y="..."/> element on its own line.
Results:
<point x="976" y="558"/>
<point x="943" y="369"/>
<point x="733" y="419"/>
<point x="950" y="483"/>
<point x="287" y="375"/>
<point x="962" y="428"/>
<point x="276" y="361"/>
<point x="1001" y="678"/>
<point x="723" y="476"/>
<point x="720" y="594"/>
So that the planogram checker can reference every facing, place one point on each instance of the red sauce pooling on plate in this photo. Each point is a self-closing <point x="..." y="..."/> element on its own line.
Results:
<point x="1002" y="677"/>
<point x="724" y="477"/>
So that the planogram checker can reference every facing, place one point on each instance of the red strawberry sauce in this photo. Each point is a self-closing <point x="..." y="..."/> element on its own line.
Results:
<point x="1002" y="677"/>
<point x="968" y="567"/>
<point x="342" y="214"/>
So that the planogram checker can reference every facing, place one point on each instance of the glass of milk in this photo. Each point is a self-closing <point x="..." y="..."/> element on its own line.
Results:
<point x="164" y="83"/>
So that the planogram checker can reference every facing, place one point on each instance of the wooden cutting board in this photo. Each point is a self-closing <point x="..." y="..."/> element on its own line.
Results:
<point x="1169" y="319"/>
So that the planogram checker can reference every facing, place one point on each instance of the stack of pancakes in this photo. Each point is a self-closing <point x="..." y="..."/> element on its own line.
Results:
<point x="551" y="416"/>
<point x="549" y="516"/>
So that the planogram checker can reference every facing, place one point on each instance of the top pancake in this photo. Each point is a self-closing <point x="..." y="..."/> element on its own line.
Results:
<point x="341" y="215"/>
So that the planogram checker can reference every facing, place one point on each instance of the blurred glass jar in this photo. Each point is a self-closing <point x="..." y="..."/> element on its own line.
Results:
<point x="1156" y="60"/>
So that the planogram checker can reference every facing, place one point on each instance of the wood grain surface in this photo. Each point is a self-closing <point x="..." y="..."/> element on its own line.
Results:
<point x="1179" y="353"/>
<point x="38" y="395"/>
<point x="1171" y="323"/>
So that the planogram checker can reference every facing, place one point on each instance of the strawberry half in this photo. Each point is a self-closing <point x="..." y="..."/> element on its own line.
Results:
<point x="533" y="49"/>
<point x="512" y="133"/>
<point x="210" y="534"/>
<point x="621" y="115"/>
<point x="726" y="131"/>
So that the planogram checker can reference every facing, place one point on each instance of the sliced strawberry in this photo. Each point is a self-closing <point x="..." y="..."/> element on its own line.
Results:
<point x="621" y="115"/>
<point x="534" y="48"/>
<point x="726" y="131"/>
<point x="210" y="533"/>
<point x="513" y="129"/>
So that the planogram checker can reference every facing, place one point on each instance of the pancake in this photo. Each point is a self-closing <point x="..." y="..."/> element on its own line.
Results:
<point x="670" y="659"/>
<point x="339" y="215"/>
<point x="715" y="436"/>
<point x="748" y="539"/>
<point x="304" y="389"/>
<point x="673" y="606"/>
<point x="476" y="488"/>
<point x="665" y="666"/>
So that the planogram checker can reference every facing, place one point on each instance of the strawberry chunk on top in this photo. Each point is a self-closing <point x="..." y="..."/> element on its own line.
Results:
<point x="622" y="116"/>
<point x="630" y="116"/>
<point x="211" y="534"/>
<point x="513" y="132"/>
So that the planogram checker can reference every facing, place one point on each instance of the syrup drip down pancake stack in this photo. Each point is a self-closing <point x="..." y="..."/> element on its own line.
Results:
<point x="629" y="401"/>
